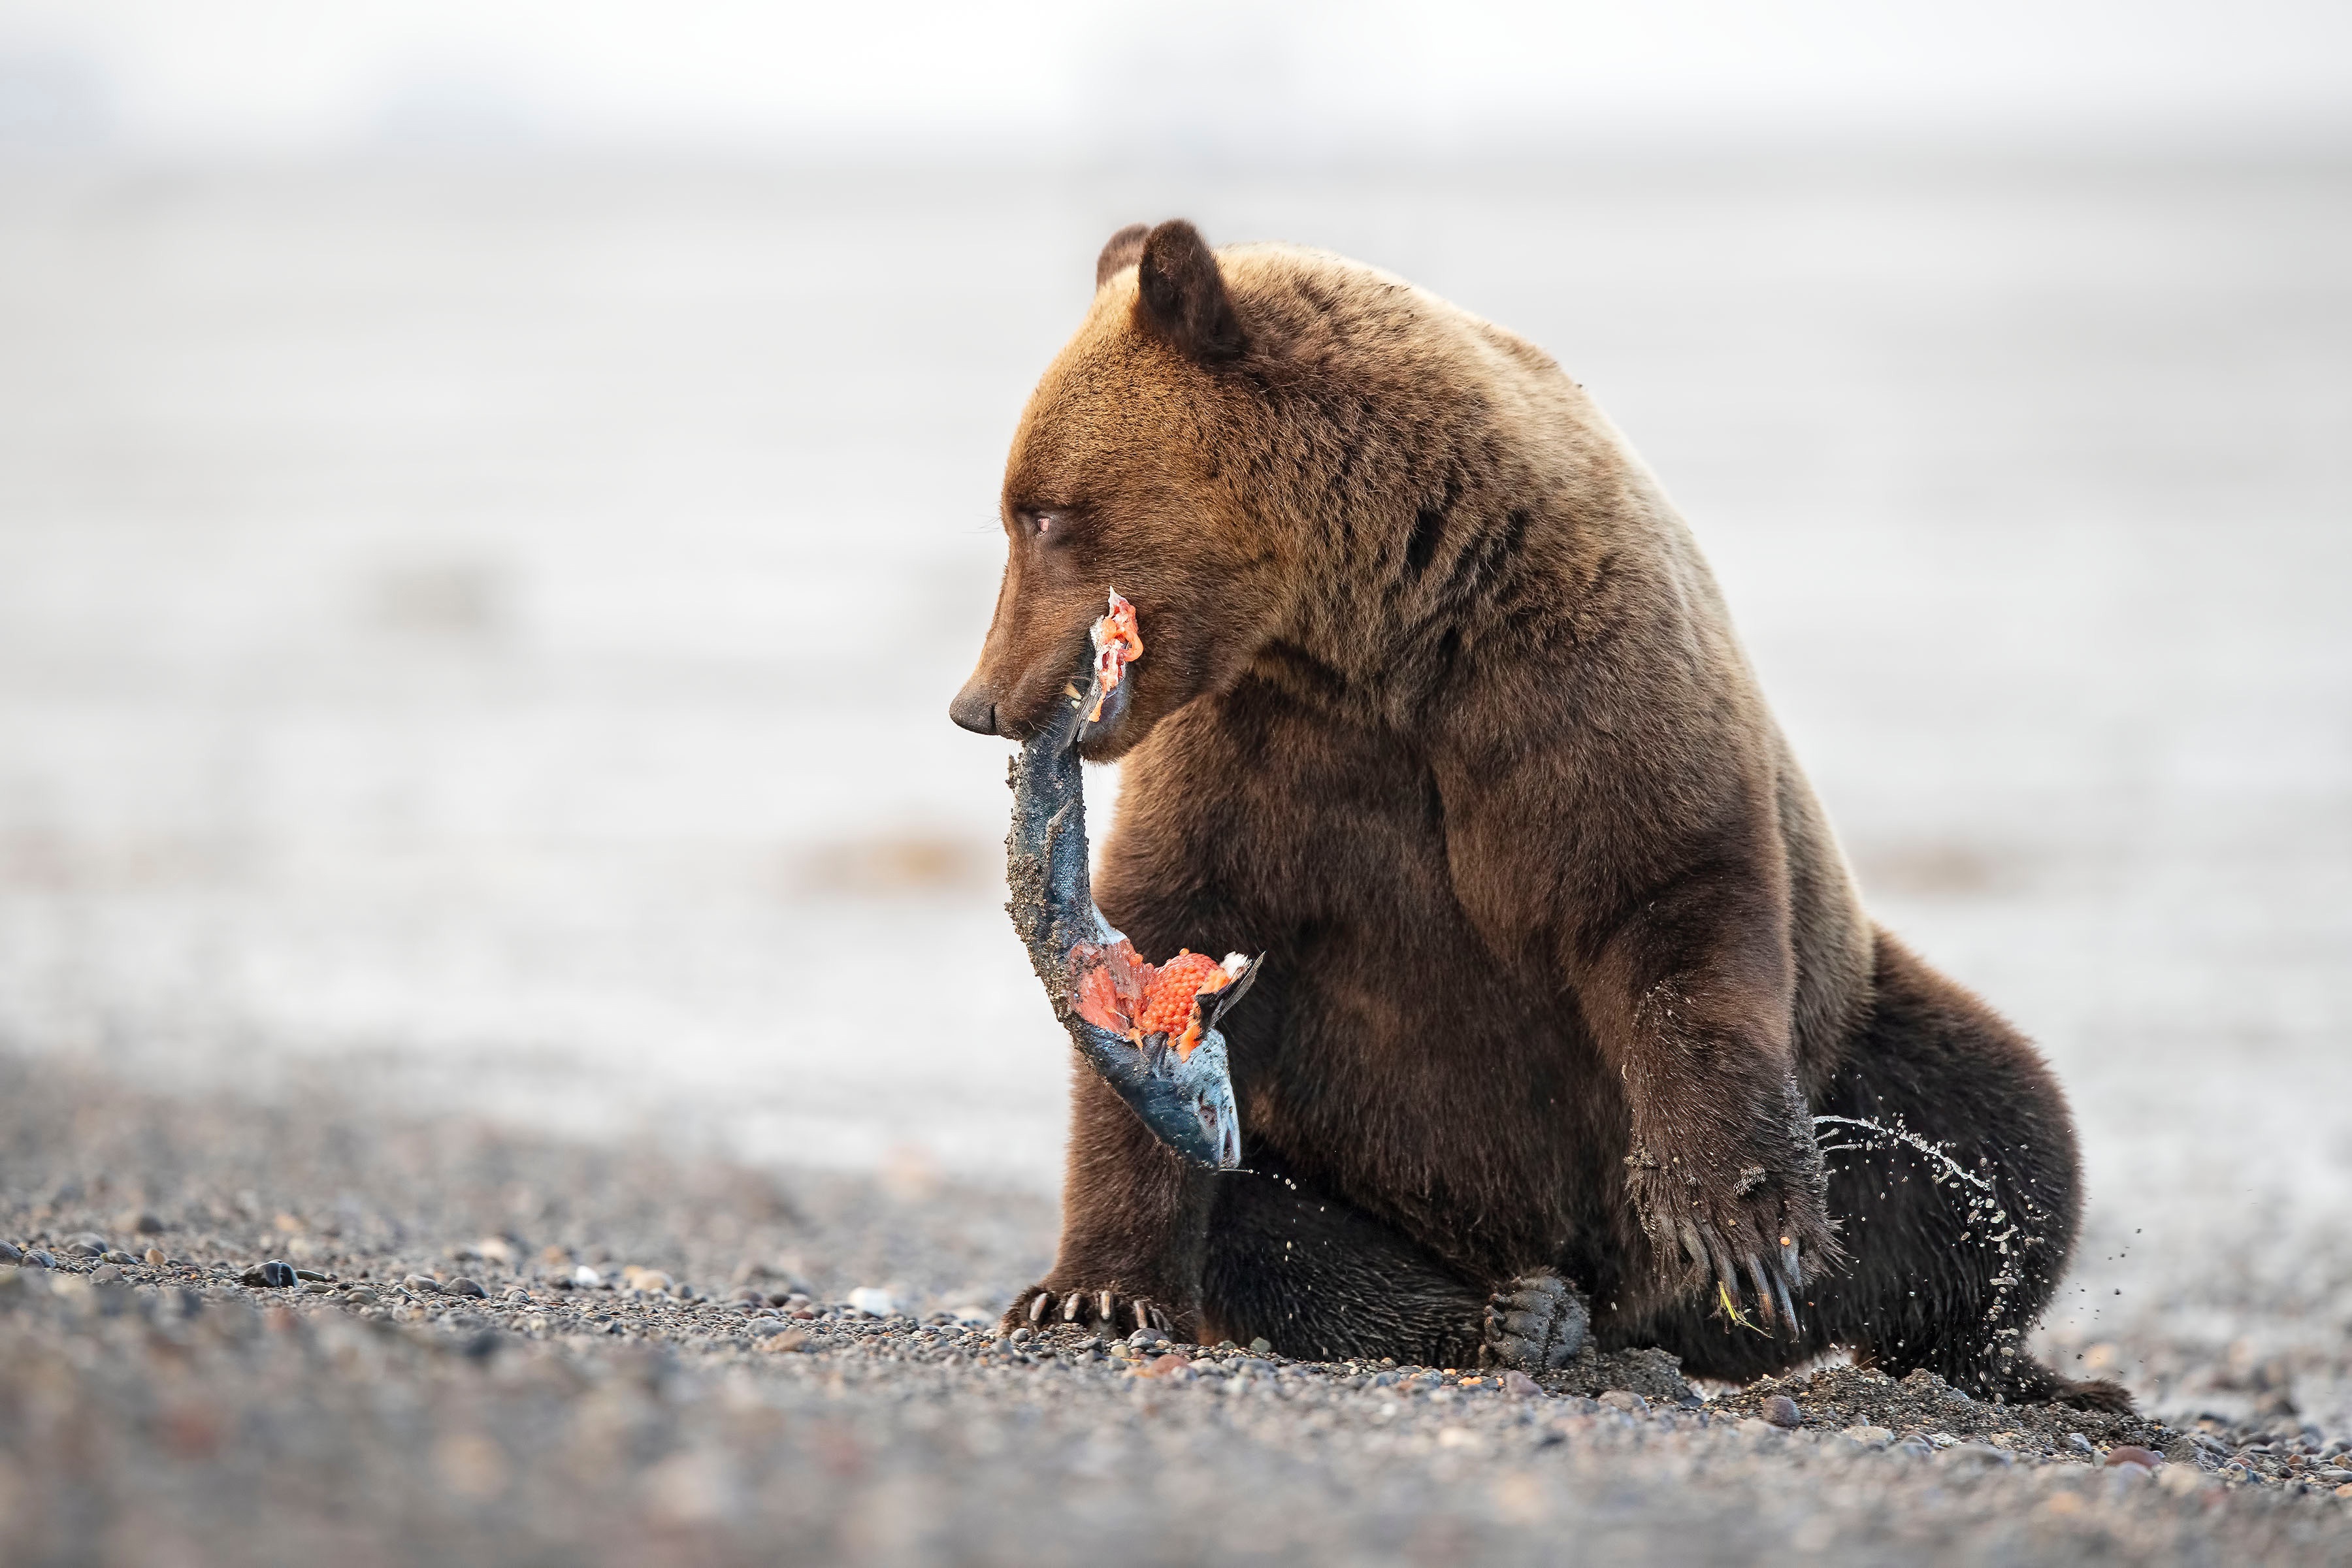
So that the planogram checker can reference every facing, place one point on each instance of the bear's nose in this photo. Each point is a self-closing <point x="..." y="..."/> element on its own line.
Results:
<point x="974" y="709"/>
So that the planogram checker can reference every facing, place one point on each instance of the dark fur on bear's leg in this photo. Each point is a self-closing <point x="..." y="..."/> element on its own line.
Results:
<point x="1934" y="1281"/>
<point x="1320" y="1279"/>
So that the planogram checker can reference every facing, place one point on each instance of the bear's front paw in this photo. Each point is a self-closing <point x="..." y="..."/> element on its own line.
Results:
<point x="1537" y="1322"/>
<point x="1733" y="1206"/>
<point x="1108" y="1308"/>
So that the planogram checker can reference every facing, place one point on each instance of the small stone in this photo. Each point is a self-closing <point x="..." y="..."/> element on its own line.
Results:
<point x="2079" y="1443"/>
<point x="307" y="1274"/>
<point x="463" y="1286"/>
<point x="2344" y="1491"/>
<point x="1782" y="1412"/>
<point x="39" y="1257"/>
<point x="422" y="1284"/>
<point x="1021" y="1336"/>
<point x="89" y="1244"/>
<point x="1142" y="1338"/>
<point x="317" y="1288"/>
<point x="11" y="1253"/>
<point x="155" y="1258"/>
<point x="586" y="1278"/>
<point x="1752" y="1427"/>
<point x="872" y="1300"/>
<point x="2132" y="1453"/>
<point x="361" y="1295"/>
<point x="116" y="1256"/>
<point x="105" y="1274"/>
<point x="1868" y="1436"/>
<point x="276" y="1276"/>
<point x="785" y="1343"/>
<point x="1626" y="1400"/>
<point x="1519" y="1386"/>
<point x="1175" y="1368"/>
<point x="1262" y="1346"/>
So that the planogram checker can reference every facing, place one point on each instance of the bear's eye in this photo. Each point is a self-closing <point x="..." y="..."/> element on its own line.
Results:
<point x="1042" y="524"/>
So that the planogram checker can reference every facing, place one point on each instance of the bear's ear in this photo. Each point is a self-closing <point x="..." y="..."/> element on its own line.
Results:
<point x="1182" y="295"/>
<point x="1125" y="249"/>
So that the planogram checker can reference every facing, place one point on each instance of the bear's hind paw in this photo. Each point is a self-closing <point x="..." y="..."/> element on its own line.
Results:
<point x="1537" y="1322"/>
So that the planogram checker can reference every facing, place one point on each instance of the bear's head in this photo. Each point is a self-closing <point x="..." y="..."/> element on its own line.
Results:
<point x="1122" y="477"/>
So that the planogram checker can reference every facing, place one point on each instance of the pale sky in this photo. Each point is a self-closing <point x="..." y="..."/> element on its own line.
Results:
<point x="1042" y="77"/>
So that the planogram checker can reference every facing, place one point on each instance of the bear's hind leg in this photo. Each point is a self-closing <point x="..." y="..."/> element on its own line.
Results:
<point x="1951" y="1268"/>
<point x="1319" y="1279"/>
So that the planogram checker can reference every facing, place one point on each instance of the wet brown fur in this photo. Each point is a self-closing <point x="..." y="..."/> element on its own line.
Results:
<point x="1442" y="711"/>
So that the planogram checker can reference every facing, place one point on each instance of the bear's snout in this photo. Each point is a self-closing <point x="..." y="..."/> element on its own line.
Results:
<point x="974" y="709"/>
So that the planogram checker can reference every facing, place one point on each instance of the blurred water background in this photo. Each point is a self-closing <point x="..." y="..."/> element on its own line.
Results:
<point x="480" y="582"/>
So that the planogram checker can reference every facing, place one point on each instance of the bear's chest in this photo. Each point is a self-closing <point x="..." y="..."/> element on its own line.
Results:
<point x="1390" y="1055"/>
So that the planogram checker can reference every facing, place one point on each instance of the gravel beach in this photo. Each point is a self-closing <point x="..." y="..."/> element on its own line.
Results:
<point x="249" y="1332"/>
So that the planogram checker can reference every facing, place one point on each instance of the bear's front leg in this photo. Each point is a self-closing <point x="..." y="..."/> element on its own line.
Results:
<point x="1722" y="1168"/>
<point x="1135" y="1226"/>
<point x="1726" y="1180"/>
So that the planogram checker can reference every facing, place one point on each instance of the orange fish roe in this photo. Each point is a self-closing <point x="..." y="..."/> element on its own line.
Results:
<point x="1168" y="997"/>
<point x="1113" y="988"/>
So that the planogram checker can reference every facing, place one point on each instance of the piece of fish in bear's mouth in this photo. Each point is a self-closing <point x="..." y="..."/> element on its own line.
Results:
<point x="1117" y="644"/>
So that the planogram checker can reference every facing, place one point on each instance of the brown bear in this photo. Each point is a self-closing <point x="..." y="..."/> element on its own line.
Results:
<point x="1444" y="713"/>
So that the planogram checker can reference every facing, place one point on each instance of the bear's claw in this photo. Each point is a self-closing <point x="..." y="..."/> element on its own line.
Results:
<point x="1111" y="1311"/>
<point x="1537" y="1322"/>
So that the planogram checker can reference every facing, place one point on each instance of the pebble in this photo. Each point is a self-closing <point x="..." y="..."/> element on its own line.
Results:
<point x="422" y="1284"/>
<point x="1868" y="1436"/>
<point x="2079" y="1443"/>
<point x="85" y="1246"/>
<point x="275" y="1275"/>
<point x="1175" y="1368"/>
<point x="872" y="1300"/>
<point x="1021" y="1336"/>
<point x="105" y="1274"/>
<point x="586" y="1278"/>
<point x="155" y="1258"/>
<point x="1631" y="1402"/>
<point x="1261" y="1346"/>
<point x="10" y="1253"/>
<point x="2133" y="1453"/>
<point x="317" y="1288"/>
<point x="115" y="1254"/>
<point x="361" y="1295"/>
<point x="40" y="1259"/>
<point x="1519" y="1386"/>
<point x="1782" y="1412"/>
<point x="463" y="1286"/>
<point x="1154" y="1337"/>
